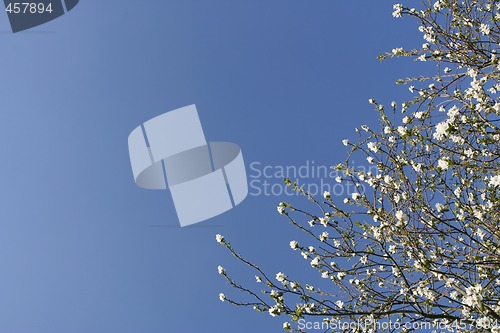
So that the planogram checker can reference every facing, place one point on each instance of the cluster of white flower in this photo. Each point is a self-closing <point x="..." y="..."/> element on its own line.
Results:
<point x="401" y="218"/>
<point x="324" y="221"/>
<point x="438" y="5"/>
<point x="219" y="238"/>
<point x="416" y="166"/>
<point x="423" y="291"/>
<point x="316" y="261"/>
<point x="422" y="57"/>
<point x="309" y="307"/>
<point x="281" y="208"/>
<point x="485" y="29"/>
<point x="440" y="207"/>
<point x="397" y="10"/>
<point x="274" y="310"/>
<point x="396" y="51"/>
<point x="282" y="278"/>
<point x="473" y="297"/>
<point x="494" y="181"/>
<point x="373" y="146"/>
<point x="429" y="33"/>
<point x="441" y="130"/>
<point x="443" y="164"/>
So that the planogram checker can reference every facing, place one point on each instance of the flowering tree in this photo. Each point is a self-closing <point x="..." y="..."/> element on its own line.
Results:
<point x="419" y="240"/>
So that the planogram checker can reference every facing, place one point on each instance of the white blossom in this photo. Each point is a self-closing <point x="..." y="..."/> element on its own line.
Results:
<point x="494" y="181"/>
<point x="417" y="167"/>
<point x="473" y="296"/>
<point x="401" y="217"/>
<point x="397" y="10"/>
<point x="443" y="164"/>
<point x="485" y="29"/>
<point x="480" y="233"/>
<point x="373" y="146"/>
<point x="422" y="57"/>
<point x="315" y="262"/>
<point x="441" y="130"/>
<point x="402" y="130"/>
<point x="282" y="278"/>
<point x="453" y="112"/>
<point x="274" y="311"/>
<point x="440" y="207"/>
<point x="219" y="238"/>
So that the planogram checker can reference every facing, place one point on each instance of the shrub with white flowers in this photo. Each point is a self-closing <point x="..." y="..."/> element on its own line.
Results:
<point x="419" y="240"/>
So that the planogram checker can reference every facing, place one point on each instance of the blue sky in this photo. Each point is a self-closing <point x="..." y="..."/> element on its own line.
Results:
<point x="82" y="248"/>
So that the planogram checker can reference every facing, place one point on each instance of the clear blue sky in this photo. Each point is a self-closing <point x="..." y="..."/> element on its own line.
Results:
<point x="82" y="248"/>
